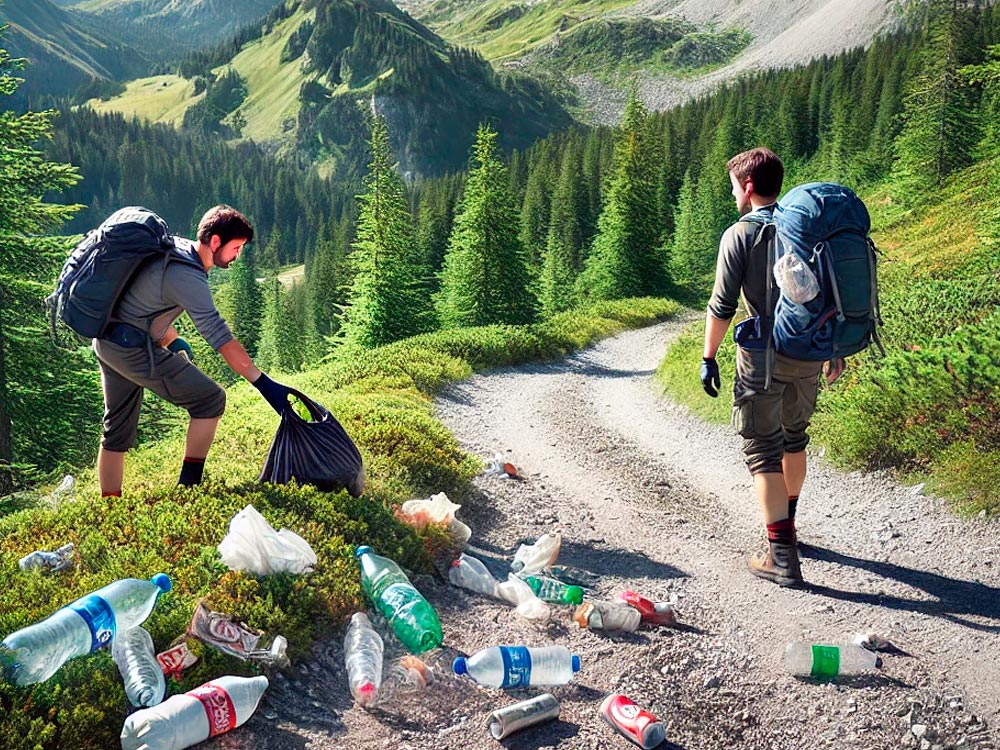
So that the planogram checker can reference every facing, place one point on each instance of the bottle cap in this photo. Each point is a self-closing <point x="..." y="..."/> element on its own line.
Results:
<point x="576" y="663"/>
<point x="364" y="549"/>
<point x="366" y="694"/>
<point x="162" y="582"/>
<point x="460" y="667"/>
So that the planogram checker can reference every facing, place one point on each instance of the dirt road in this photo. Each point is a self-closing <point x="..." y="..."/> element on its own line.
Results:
<point x="650" y="498"/>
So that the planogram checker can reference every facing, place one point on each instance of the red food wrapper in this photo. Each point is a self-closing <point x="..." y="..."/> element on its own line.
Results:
<point x="175" y="660"/>
<point x="222" y="632"/>
<point x="658" y="613"/>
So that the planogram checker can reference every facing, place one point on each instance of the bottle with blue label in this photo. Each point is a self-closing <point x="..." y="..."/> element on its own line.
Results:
<point x="33" y="654"/>
<point x="515" y="667"/>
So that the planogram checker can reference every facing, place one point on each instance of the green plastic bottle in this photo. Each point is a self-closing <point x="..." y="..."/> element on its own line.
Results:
<point x="556" y="592"/>
<point x="412" y="618"/>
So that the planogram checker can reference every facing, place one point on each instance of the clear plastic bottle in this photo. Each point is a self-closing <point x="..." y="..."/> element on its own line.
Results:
<point x="519" y="666"/>
<point x="33" y="654"/>
<point x="534" y="558"/>
<point x="607" y="616"/>
<point x="45" y="560"/>
<point x="553" y="591"/>
<point x="189" y="718"/>
<point x="469" y="573"/>
<point x="363" y="656"/>
<point x="135" y="656"/>
<point x="819" y="660"/>
<point x="412" y="618"/>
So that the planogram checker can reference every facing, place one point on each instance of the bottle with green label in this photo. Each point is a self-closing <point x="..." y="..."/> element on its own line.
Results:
<point x="824" y="661"/>
<point x="553" y="591"/>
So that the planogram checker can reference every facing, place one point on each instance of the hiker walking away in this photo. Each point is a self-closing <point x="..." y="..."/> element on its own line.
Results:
<point x="774" y="395"/>
<point x="141" y="349"/>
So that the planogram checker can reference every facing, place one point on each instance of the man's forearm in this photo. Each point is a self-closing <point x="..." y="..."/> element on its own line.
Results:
<point x="238" y="359"/>
<point x="715" y="332"/>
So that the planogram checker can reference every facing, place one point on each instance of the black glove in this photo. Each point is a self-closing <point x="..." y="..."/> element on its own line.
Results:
<point x="275" y="394"/>
<point x="182" y="347"/>
<point x="710" y="379"/>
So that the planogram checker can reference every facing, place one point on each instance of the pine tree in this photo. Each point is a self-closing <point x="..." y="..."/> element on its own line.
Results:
<point x="387" y="300"/>
<point x="562" y="262"/>
<point x="247" y="301"/>
<point x="485" y="276"/>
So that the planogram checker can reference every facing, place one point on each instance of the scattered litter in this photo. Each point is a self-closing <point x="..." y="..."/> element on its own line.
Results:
<point x="873" y="641"/>
<point x="176" y="659"/>
<point x="135" y="657"/>
<point x="504" y="469"/>
<point x="469" y="573"/>
<point x="608" y="616"/>
<point x="827" y="661"/>
<point x="553" y="591"/>
<point x="518" y="593"/>
<point x="363" y="651"/>
<point x="414" y="673"/>
<point x="534" y="558"/>
<point x="61" y="559"/>
<point x="519" y="666"/>
<point x="253" y="545"/>
<point x="506" y="721"/>
<point x="656" y="613"/>
<point x="917" y="489"/>
<point x="633" y="723"/>
<point x="227" y="634"/>
<point x="65" y="490"/>
<point x="574" y="576"/>
<point x="438" y="510"/>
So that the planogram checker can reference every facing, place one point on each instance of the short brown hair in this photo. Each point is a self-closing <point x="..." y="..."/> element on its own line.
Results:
<point x="761" y="166"/>
<point x="226" y="222"/>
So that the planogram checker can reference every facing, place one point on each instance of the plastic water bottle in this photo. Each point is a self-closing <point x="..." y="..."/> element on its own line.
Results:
<point x="189" y="718"/>
<point x="33" y="654"/>
<point x="818" y="660"/>
<point x="412" y="618"/>
<point x="363" y="656"/>
<point x="469" y="573"/>
<point x="135" y="656"/>
<point x="553" y="591"/>
<point x="44" y="560"/>
<point x="519" y="666"/>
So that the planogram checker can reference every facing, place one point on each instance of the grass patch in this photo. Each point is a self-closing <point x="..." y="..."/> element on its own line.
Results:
<point x="162" y="99"/>
<point x="382" y="397"/>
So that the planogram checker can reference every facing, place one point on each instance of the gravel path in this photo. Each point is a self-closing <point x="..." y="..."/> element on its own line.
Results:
<point x="650" y="498"/>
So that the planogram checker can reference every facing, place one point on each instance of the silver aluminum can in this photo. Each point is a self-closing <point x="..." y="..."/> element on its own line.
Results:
<point x="505" y="721"/>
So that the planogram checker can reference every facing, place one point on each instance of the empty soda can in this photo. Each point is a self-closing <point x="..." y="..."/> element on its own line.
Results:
<point x="505" y="721"/>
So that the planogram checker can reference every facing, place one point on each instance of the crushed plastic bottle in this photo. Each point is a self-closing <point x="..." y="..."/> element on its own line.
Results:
<point x="656" y="613"/>
<point x="632" y="722"/>
<point x="607" y="616"/>
<point x="135" y="656"/>
<point x="184" y="720"/>
<point x="795" y="279"/>
<point x="469" y="573"/>
<point x="518" y="593"/>
<point x="35" y="653"/>
<point x="65" y="489"/>
<point x="818" y="660"/>
<point x="519" y="666"/>
<point x="554" y="592"/>
<point x="55" y="561"/>
<point x="412" y="618"/>
<point x="534" y="558"/>
<point x="574" y="576"/>
<point x="363" y="656"/>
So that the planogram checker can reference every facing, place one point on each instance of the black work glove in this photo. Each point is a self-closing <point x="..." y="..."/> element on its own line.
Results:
<point x="182" y="347"/>
<point x="710" y="379"/>
<point x="274" y="393"/>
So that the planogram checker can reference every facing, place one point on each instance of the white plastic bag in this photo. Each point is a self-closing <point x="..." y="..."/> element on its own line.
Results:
<point x="795" y="279"/>
<point x="438" y="510"/>
<point x="518" y="593"/>
<point x="534" y="558"/>
<point x="254" y="546"/>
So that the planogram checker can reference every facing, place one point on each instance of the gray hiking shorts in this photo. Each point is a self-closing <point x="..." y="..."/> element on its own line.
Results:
<point x="125" y="373"/>
<point x="773" y="421"/>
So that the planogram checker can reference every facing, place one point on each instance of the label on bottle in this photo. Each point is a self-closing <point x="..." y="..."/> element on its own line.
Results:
<point x="218" y="707"/>
<point x="516" y="666"/>
<point x="100" y="618"/>
<point x="826" y="661"/>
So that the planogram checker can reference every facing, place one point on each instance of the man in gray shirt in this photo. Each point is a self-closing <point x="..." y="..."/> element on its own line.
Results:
<point x="141" y="349"/>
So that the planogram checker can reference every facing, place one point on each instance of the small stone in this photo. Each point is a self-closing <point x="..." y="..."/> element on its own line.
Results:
<point x="925" y="745"/>
<point x="919" y="730"/>
<point x="713" y="682"/>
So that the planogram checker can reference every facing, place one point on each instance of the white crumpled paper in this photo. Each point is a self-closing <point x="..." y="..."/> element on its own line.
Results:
<point x="254" y="546"/>
<point x="437" y="510"/>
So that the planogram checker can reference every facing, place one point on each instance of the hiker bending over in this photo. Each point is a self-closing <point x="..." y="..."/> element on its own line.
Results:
<point x="774" y="396"/>
<point x="141" y="349"/>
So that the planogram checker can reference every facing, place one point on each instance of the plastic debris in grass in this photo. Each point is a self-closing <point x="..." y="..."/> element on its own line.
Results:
<point x="438" y="510"/>
<point x="253" y="545"/>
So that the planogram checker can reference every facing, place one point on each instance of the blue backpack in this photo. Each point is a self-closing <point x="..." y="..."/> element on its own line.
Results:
<point x="102" y="264"/>
<point x="826" y="226"/>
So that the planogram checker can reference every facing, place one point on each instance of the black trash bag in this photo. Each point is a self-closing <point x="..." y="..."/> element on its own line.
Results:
<point x="319" y="452"/>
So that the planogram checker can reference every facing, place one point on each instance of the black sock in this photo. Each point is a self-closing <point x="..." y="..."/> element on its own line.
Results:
<point x="793" y="501"/>
<point x="782" y="531"/>
<point x="191" y="471"/>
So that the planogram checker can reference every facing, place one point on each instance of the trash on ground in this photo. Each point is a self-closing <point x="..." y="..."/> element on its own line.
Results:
<point x="33" y="654"/>
<point x="66" y="488"/>
<point x="135" y="656"/>
<point x="413" y="673"/>
<point x="469" y="573"/>
<point x="437" y="510"/>
<point x="253" y="545"/>
<point x="819" y="660"/>
<point x="217" y="707"/>
<point x="519" y="666"/>
<point x="229" y="635"/>
<point x="534" y="558"/>
<point x="363" y="657"/>
<point x="655" y="613"/>
<point x="176" y="659"/>
<point x="554" y="591"/>
<point x="518" y="593"/>
<point x="574" y="576"/>
<point x="607" y="616"/>
<point x="318" y="452"/>
<point x="873" y="641"/>
<point x="506" y="721"/>
<point x="505" y="469"/>
<point x="411" y="617"/>
<point x="55" y="561"/>
<point x="632" y="722"/>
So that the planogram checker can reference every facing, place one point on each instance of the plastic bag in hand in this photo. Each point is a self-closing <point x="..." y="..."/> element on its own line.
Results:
<point x="254" y="546"/>
<point x="318" y="452"/>
<point x="795" y="279"/>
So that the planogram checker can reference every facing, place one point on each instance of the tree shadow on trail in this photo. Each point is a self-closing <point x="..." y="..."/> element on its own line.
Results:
<point x="957" y="600"/>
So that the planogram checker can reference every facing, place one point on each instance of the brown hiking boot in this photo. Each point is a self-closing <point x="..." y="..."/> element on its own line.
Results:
<point x="779" y="564"/>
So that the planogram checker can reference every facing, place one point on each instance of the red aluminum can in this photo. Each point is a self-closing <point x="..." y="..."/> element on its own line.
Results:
<point x="632" y="722"/>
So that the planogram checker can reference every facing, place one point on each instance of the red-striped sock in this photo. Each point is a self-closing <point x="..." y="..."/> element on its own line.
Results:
<point x="117" y="493"/>
<point x="782" y="531"/>
<point x="191" y="471"/>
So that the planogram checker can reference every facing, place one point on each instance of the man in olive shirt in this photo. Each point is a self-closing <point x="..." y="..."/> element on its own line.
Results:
<point x="774" y="396"/>
<point x="142" y="350"/>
